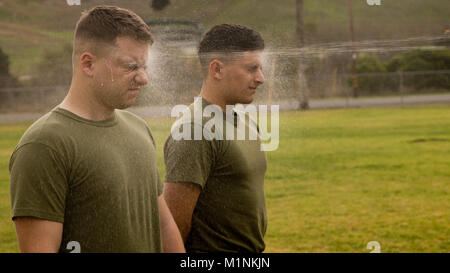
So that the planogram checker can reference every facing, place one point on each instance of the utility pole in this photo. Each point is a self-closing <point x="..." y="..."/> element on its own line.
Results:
<point x="303" y="99"/>
<point x="354" y="56"/>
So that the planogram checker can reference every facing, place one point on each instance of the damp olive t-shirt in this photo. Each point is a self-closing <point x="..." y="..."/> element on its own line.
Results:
<point x="230" y="214"/>
<point x="99" y="179"/>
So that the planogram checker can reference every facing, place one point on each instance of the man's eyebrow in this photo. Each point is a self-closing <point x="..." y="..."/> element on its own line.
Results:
<point x="130" y="60"/>
<point x="126" y="58"/>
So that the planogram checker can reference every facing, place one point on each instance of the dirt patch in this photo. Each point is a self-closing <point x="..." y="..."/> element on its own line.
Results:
<point x="25" y="33"/>
<point x="429" y="140"/>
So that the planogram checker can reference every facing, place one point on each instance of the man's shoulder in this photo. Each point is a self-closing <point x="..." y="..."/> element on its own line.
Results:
<point x="48" y="134"/>
<point x="134" y="123"/>
<point x="131" y="118"/>
<point x="46" y="130"/>
<point x="129" y="115"/>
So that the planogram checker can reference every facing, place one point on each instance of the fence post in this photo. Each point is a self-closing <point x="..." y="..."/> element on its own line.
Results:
<point x="401" y="86"/>
<point x="346" y="91"/>
<point x="333" y="83"/>
<point x="271" y="83"/>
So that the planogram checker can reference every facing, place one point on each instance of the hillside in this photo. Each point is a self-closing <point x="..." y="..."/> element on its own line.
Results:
<point x="28" y="27"/>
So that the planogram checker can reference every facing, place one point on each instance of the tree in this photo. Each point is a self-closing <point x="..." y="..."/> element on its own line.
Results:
<point x="6" y="79"/>
<point x="158" y="5"/>
<point x="354" y="55"/>
<point x="55" y="67"/>
<point x="4" y="63"/>
<point x="372" y="79"/>
<point x="420" y="60"/>
<point x="303" y="86"/>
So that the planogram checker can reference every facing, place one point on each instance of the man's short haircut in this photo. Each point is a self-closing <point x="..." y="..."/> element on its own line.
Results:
<point x="224" y="39"/>
<point x="103" y="24"/>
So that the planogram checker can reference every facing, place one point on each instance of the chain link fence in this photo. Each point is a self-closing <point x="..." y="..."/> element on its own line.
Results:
<point x="279" y="89"/>
<point x="175" y="77"/>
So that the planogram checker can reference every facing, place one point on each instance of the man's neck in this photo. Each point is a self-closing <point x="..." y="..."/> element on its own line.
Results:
<point x="80" y="103"/>
<point x="213" y="95"/>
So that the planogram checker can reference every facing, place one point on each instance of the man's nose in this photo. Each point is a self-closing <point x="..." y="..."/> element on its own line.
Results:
<point x="141" y="78"/>
<point x="260" y="77"/>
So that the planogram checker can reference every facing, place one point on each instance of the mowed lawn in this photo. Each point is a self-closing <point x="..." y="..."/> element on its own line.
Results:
<point x="339" y="179"/>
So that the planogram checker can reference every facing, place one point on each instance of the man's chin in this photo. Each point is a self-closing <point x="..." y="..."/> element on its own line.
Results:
<point x="246" y="101"/>
<point x="126" y="105"/>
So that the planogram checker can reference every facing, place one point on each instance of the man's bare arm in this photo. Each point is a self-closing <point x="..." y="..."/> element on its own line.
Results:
<point x="37" y="235"/>
<point x="172" y="242"/>
<point x="181" y="198"/>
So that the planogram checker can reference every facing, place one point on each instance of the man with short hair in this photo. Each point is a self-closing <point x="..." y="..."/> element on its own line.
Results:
<point x="214" y="186"/>
<point x="85" y="175"/>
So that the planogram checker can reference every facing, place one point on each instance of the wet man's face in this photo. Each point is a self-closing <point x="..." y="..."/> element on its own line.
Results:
<point x="122" y="73"/>
<point x="242" y="77"/>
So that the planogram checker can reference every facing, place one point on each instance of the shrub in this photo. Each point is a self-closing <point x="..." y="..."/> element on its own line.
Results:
<point x="6" y="79"/>
<point x="423" y="60"/>
<point x="55" y="67"/>
<point x="372" y="83"/>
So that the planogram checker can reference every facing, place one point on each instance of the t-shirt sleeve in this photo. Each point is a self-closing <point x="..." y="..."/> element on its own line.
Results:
<point x="159" y="185"/>
<point x="188" y="160"/>
<point x="38" y="183"/>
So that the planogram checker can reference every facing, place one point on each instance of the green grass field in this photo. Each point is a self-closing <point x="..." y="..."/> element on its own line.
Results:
<point x="339" y="179"/>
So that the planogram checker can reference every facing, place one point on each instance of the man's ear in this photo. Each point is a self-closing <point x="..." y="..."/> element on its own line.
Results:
<point x="88" y="63"/>
<point x="216" y="69"/>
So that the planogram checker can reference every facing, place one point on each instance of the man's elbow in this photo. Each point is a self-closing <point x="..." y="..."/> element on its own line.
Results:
<point x="38" y="236"/>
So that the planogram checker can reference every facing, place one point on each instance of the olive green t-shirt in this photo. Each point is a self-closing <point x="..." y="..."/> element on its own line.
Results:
<point x="230" y="214"/>
<point x="99" y="179"/>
